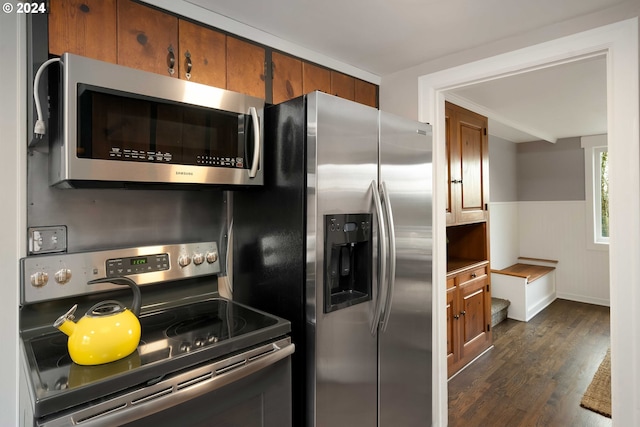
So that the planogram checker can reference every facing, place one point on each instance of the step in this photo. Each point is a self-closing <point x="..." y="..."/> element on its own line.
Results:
<point x="499" y="309"/>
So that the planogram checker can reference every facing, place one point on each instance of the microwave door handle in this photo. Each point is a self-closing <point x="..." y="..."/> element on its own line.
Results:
<point x="256" y="142"/>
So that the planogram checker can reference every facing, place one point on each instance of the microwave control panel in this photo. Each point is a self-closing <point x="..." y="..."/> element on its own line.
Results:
<point x="127" y="154"/>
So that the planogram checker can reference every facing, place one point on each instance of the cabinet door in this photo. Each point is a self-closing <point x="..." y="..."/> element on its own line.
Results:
<point x="145" y="38"/>
<point x="315" y="78"/>
<point x="468" y="178"/>
<point x="245" y="67"/>
<point x="475" y="322"/>
<point x="366" y="93"/>
<point x="206" y="50"/>
<point x="83" y="27"/>
<point x="450" y="135"/>
<point x="342" y="85"/>
<point x="453" y="318"/>
<point x="474" y="154"/>
<point x="287" y="77"/>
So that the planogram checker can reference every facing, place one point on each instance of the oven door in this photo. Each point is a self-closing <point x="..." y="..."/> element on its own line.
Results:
<point x="249" y="389"/>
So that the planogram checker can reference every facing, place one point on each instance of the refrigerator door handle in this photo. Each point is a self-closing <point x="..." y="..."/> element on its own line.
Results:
<point x="382" y="260"/>
<point x="386" y="203"/>
<point x="256" y="142"/>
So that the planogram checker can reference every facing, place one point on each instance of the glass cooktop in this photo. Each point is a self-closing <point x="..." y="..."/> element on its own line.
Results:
<point x="172" y="340"/>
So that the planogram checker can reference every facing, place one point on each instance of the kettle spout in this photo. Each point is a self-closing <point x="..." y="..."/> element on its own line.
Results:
<point x="65" y="322"/>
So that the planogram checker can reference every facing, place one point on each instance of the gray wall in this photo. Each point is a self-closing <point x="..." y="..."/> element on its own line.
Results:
<point x="536" y="171"/>
<point x="550" y="172"/>
<point x="503" y="176"/>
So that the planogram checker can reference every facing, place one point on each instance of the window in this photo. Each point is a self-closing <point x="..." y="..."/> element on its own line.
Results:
<point x="596" y="161"/>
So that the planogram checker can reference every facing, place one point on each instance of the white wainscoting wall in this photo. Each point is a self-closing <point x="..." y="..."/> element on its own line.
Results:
<point x="551" y="230"/>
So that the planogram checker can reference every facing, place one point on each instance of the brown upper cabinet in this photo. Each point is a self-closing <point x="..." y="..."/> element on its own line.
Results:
<point x="147" y="39"/>
<point x="202" y="54"/>
<point x="343" y="85"/>
<point x="348" y="87"/>
<point x="83" y="27"/>
<point x="315" y="78"/>
<point x="468" y="166"/>
<point x="366" y="93"/>
<point x="287" y="77"/>
<point x="245" y="67"/>
<point x="137" y="36"/>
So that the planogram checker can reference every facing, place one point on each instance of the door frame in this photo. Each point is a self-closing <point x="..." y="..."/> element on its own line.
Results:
<point x="619" y="43"/>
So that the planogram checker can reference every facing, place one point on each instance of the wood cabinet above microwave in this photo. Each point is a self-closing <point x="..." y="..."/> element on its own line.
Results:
<point x="138" y="36"/>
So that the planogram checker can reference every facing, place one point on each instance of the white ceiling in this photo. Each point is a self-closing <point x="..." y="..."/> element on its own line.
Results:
<point x="385" y="36"/>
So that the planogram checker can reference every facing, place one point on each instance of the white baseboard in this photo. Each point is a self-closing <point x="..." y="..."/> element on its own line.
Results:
<point x="585" y="299"/>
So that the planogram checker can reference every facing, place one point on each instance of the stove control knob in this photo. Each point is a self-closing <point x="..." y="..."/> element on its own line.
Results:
<point x="212" y="257"/>
<point x="198" y="259"/>
<point x="63" y="276"/>
<point x="184" y="260"/>
<point x="39" y="278"/>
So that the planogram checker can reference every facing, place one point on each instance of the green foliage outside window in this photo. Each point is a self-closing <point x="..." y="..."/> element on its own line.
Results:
<point x="604" y="193"/>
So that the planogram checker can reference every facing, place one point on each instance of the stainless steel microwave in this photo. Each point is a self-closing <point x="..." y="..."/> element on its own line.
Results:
<point x="117" y="125"/>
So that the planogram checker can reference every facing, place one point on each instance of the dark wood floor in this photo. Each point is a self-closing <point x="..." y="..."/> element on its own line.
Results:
<point x="536" y="373"/>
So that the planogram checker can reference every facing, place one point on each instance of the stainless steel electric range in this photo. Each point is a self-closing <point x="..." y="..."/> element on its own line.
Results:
<point x="202" y="359"/>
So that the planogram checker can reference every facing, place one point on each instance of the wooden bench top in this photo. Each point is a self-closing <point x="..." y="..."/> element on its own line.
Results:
<point x="527" y="271"/>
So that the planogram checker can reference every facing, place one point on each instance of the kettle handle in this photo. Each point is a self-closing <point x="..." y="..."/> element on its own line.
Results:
<point x="137" y="297"/>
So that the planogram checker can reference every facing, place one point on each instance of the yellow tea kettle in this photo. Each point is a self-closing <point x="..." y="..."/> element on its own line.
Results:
<point x="107" y="332"/>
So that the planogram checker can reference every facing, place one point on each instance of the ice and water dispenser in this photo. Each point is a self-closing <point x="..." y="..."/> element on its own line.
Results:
<point x="348" y="260"/>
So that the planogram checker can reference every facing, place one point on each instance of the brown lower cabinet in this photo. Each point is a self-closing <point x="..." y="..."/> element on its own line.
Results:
<point x="468" y="315"/>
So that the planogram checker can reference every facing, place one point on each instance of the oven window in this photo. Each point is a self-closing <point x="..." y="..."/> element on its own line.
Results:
<point x="119" y="126"/>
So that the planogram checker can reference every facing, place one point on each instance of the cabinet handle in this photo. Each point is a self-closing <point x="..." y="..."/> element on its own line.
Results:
<point x="456" y="181"/>
<point x="456" y="316"/>
<point x="463" y="312"/>
<point x="171" y="60"/>
<point x="187" y="55"/>
<point x="474" y="275"/>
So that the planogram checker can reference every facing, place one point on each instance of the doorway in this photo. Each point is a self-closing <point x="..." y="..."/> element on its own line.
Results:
<point x="619" y="42"/>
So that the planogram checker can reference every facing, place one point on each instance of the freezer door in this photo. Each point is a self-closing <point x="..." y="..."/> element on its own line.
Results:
<point x="342" y="162"/>
<point x="405" y="332"/>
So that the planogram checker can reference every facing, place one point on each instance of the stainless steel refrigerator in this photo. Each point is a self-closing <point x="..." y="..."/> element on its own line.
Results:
<point x="339" y="242"/>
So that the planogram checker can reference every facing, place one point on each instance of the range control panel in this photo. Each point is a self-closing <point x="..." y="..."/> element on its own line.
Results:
<point x="48" y="277"/>
<point x="137" y="265"/>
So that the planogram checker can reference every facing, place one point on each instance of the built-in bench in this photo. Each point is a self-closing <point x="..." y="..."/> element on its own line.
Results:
<point x="530" y="286"/>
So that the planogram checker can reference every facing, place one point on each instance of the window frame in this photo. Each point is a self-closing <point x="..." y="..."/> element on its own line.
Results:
<point x="593" y="146"/>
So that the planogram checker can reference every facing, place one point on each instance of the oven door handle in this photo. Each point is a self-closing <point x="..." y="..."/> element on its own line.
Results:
<point x="174" y="391"/>
<point x="256" y="142"/>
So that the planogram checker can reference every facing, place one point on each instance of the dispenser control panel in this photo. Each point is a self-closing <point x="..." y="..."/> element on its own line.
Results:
<point x="349" y="227"/>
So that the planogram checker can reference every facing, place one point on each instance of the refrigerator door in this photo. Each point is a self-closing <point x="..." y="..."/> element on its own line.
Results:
<point x="342" y="162"/>
<point x="405" y="333"/>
